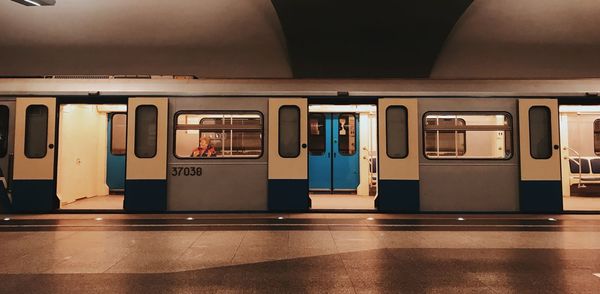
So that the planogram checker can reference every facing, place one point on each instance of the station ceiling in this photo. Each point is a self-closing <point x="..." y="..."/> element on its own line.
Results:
<point x="303" y="38"/>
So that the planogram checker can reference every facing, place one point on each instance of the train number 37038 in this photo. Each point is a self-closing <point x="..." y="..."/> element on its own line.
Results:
<point x="186" y="171"/>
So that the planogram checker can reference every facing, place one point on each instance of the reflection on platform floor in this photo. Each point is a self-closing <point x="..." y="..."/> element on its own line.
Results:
<point x="113" y="202"/>
<point x="310" y="253"/>
<point x="341" y="201"/>
<point x="585" y="203"/>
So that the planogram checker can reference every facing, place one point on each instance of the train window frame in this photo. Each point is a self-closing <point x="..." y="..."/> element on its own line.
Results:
<point x="507" y="114"/>
<point x="279" y="130"/>
<point x="356" y="132"/>
<point x="112" y="132"/>
<point x="596" y="146"/>
<point x="28" y="128"/>
<point x="322" y="115"/>
<point x="387" y="140"/>
<point x="212" y="111"/>
<point x="135" y="139"/>
<point x="4" y="147"/>
<point x="549" y="129"/>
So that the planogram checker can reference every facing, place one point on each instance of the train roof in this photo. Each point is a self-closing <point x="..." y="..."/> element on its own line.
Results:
<point x="425" y="39"/>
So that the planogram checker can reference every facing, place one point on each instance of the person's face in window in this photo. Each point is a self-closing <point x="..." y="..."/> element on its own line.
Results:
<point x="203" y="144"/>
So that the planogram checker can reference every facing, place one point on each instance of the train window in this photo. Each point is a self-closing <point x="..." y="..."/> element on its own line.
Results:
<point x="597" y="137"/>
<point x="540" y="132"/>
<point x="4" y="116"/>
<point x="317" y="134"/>
<point x="118" y="137"/>
<point x="218" y="134"/>
<point x="347" y="134"/>
<point x="146" y="117"/>
<point x="289" y="131"/>
<point x="36" y="131"/>
<point x="470" y="135"/>
<point x="396" y="131"/>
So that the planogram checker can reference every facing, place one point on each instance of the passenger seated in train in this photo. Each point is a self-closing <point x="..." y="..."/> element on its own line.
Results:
<point x="204" y="149"/>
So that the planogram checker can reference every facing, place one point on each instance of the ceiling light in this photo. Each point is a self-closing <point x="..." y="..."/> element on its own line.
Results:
<point x="98" y="218"/>
<point x="552" y="219"/>
<point x="6" y="218"/>
<point x="370" y="218"/>
<point x="190" y="218"/>
<point x="460" y="219"/>
<point x="281" y="217"/>
<point x="36" y="2"/>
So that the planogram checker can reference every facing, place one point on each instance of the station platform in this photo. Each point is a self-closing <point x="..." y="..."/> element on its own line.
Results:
<point x="300" y="253"/>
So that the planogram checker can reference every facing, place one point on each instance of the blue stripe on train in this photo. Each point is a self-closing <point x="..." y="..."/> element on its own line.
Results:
<point x="288" y="195"/>
<point x="540" y="196"/>
<point x="145" y="195"/>
<point x="398" y="196"/>
<point x="34" y="196"/>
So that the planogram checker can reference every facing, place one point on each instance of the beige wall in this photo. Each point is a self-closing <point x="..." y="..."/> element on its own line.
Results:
<point x="82" y="153"/>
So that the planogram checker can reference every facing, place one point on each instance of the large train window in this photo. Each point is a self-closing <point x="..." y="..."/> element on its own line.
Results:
<point x="212" y="134"/>
<point x="4" y="115"/>
<point x="540" y="132"/>
<point x="453" y="135"/>
<point x="289" y="131"/>
<point x="118" y="132"/>
<point x="347" y="134"/>
<point x="396" y="131"/>
<point x="597" y="136"/>
<point x="317" y="134"/>
<point x="36" y="131"/>
<point x="146" y="117"/>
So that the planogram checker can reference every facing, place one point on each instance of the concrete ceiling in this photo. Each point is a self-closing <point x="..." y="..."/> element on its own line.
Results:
<point x="244" y="39"/>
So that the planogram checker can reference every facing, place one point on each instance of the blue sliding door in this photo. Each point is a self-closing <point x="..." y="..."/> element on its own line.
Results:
<point x="333" y="152"/>
<point x="319" y="152"/>
<point x="345" y="153"/>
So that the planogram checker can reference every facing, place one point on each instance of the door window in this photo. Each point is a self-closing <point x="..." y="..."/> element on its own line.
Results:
<point x="347" y="134"/>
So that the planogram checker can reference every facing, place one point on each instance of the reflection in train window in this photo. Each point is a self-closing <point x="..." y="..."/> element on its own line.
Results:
<point x="146" y="127"/>
<point x="468" y="135"/>
<point x="317" y="134"/>
<point x="347" y="134"/>
<point x="396" y="131"/>
<point x="36" y="131"/>
<point x="218" y="134"/>
<point x="597" y="137"/>
<point x="118" y="133"/>
<point x="540" y="132"/>
<point x="4" y="115"/>
<point x="289" y="131"/>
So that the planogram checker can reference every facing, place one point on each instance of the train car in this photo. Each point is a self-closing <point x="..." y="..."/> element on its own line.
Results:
<point x="172" y="145"/>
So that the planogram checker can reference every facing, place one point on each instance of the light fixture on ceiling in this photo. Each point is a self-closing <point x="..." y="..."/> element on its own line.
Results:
<point x="36" y="2"/>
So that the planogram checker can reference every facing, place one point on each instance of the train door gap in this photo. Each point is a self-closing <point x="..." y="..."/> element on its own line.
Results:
<point x="342" y="148"/>
<point x="91" y="156"/>
<point x="580" y="157"/>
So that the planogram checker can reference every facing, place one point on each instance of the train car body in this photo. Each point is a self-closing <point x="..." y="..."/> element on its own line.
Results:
<point x="168" y="145"/>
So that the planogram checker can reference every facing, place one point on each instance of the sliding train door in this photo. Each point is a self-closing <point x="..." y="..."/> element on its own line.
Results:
<point x="540" y="185"/>
<point x="288" y="155"/>
<point x="146" y="173"/>
<point x="33" y="185"/>
<point x="398" y="155"/>
<point x="7" y="134"/>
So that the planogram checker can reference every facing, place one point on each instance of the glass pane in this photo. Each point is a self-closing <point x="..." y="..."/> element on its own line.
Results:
<point x="219" y="135"/>
<point x="347" y="134"/>
<point x="396" y="128"/>
<point x="36" y="131"/>
<point x="316" y="142"/>
<point x="597" y="137"/>
<point x="540" y="132"/>
<point x="4" y="116"/>
<point x="289" y="131"/>
<point x="468" y="136"/>
<point x="118" y="134"/>
<point x="146" y="117"/>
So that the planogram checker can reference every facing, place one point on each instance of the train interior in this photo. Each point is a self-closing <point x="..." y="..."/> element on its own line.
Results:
<point x="342" y="156"/>
<point x="91" y="156"/>
<point x="580" y="150"/>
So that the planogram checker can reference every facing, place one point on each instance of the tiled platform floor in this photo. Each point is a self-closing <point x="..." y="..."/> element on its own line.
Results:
<point x="302" y="253"/>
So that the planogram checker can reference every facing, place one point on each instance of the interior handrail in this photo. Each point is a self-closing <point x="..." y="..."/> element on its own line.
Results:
<point x="579" y="183"/>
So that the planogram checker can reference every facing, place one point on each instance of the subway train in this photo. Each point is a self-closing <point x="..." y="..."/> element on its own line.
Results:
<point x="179" y="144"/>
